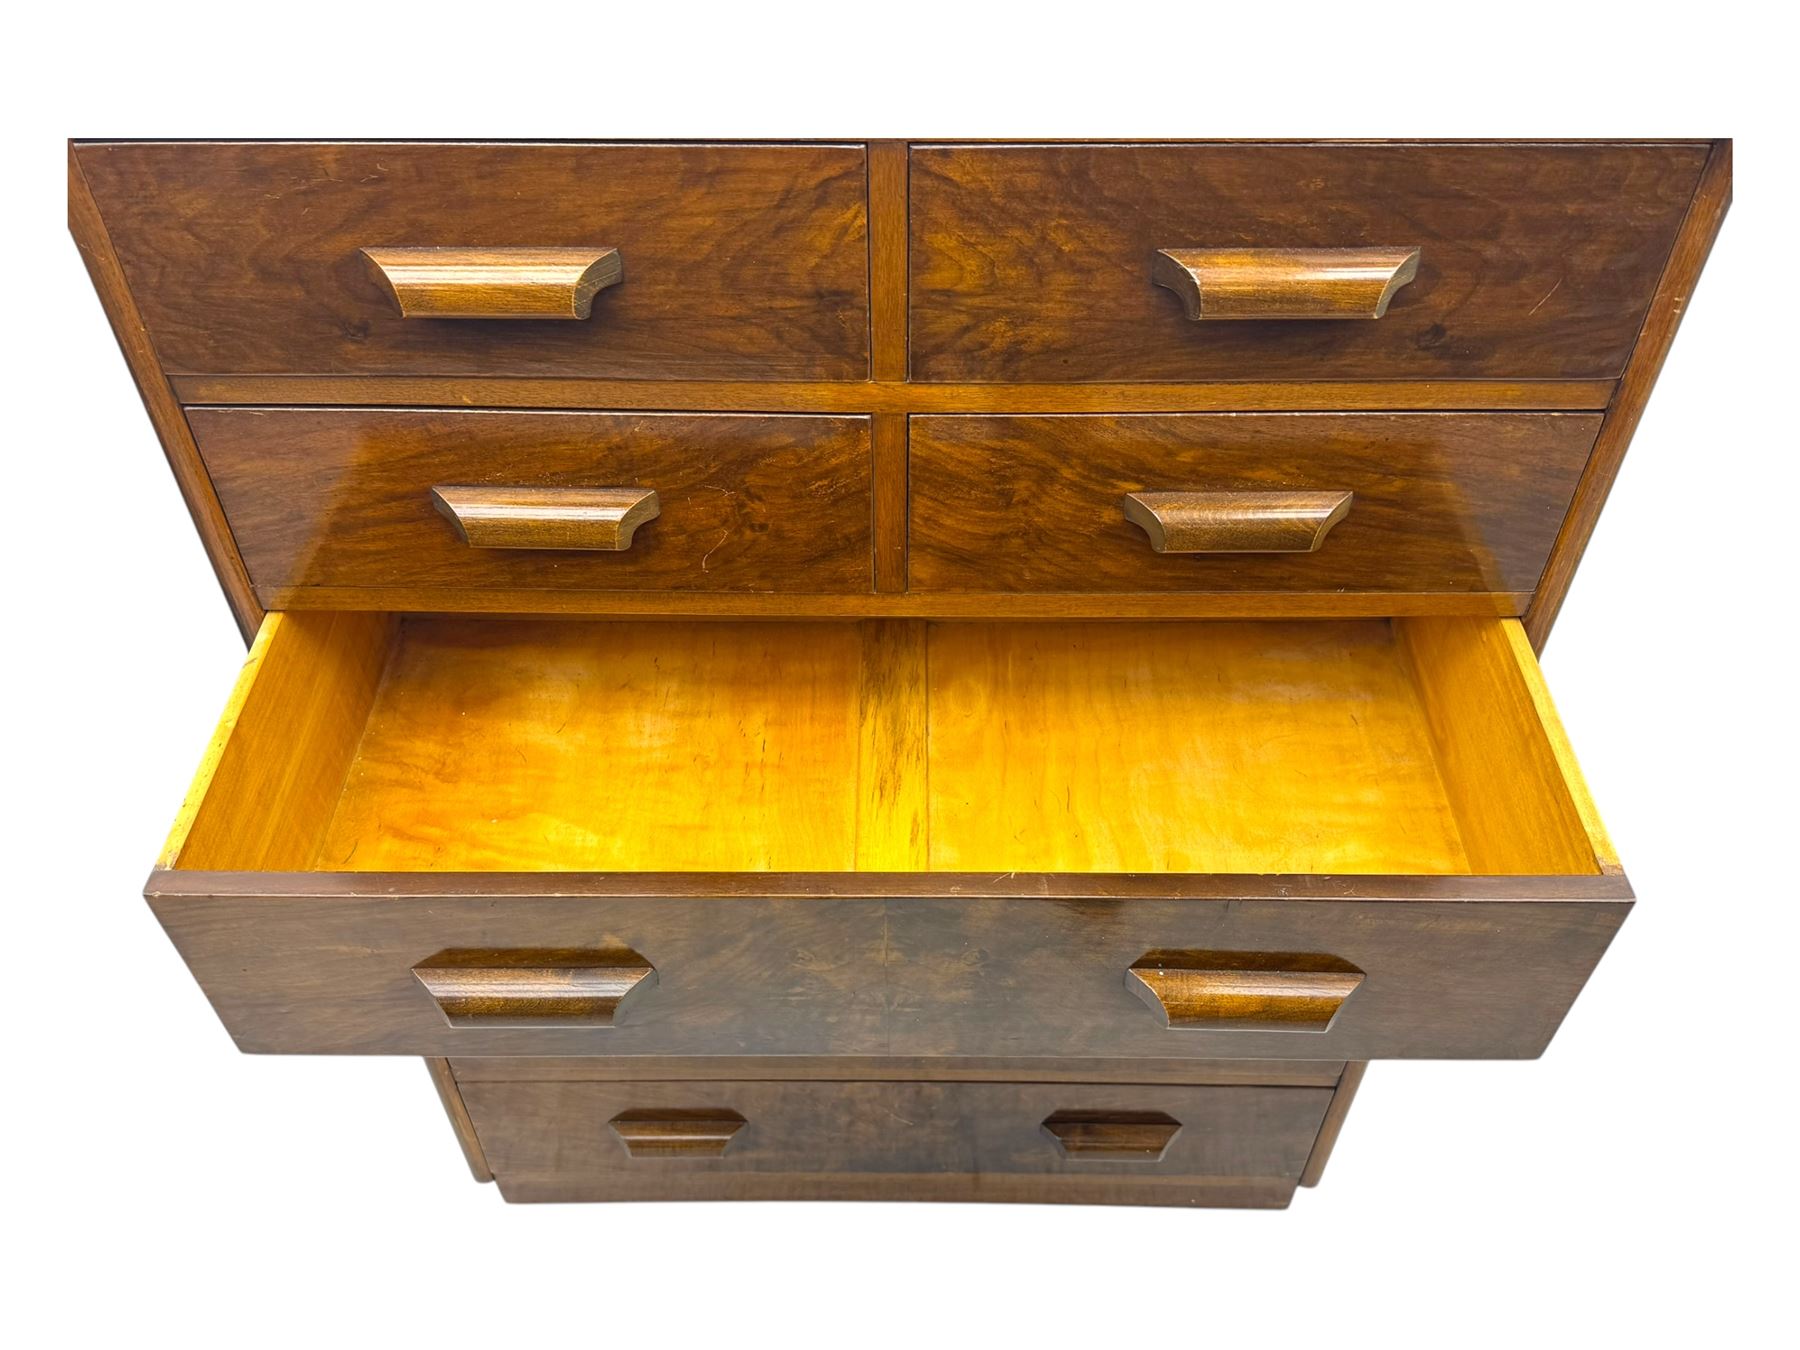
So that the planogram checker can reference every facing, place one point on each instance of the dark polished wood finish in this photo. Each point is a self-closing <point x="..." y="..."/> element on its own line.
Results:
<point x="160" y="401"/>
<point x="1294" y="284"/>
<point x="440" y="282"/>
<point x="520" y="988"/>
<point x="899" y="396"/>
<point x="1443" y="502"/>
<point x="864" y="963"/>
<point x="1537" y="261"/>
<point x="343" y="498"/>
<point x="603" y="520"/>
<point x="1706" y="214"/>
<point x="892" y="381"/>
<point x="926" y="1140"/>
<point x="741" y="261"/>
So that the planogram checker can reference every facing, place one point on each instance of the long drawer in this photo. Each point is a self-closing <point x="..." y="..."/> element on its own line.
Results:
<point x="491" y="837"/>
<point x="359" y="498"/>
<point x="707" y="261"/>
<point x="1503" y="260"/>
<point x="1234" y="502"/>
<point x="811" y="1140"/>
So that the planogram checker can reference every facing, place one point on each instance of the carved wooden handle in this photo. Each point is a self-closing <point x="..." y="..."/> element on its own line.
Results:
<point x="1284" y="283"/>
<point x="677" y="1134"/>
<point x="561" y="518"/>
<point x="1244" y="991"/>
<point x="1236" y="522"/>
<point x="1113" y="1136"/>
<point x="495" y="283"/>
<point x="533" y="988"/>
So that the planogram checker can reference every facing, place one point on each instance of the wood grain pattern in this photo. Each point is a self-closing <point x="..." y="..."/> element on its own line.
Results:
<point x="1700" y="227"/>
<point x="277" y="762"/>
<point x="1511" y="779"/>
<point x="677" y="1133"/>
<point x="521" y="987"/>
<point x="546" y="1138"/>
<point x="899" y="397"/>
<point x="160" y="402"/>
<point x="893" y="831"/>
<point x="1146" y="747"/>
<point x="1031" y="262"/>
<point x="1444" y="502"/>
<point x="1236" y="522"/>
<point x="891" y="523"/>
<point x="1284" y="283"/>
<point x="1113" y="1136"/>
<point x="746" y="261"/>
<point x="1255" y="991"/>
<point x="887" y="259"/>
<point x="603" y="519"/>
<point x="1229" y="748"/>
<point x="706" y="747"/>
<point x="495" y="283"/>
<point x="921" y="965"/>
<point x="469" y="745"/>
<point x="343" y="498"/>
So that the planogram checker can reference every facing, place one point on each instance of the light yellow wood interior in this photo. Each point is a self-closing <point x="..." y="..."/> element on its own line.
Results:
<point x="364" y="742"/>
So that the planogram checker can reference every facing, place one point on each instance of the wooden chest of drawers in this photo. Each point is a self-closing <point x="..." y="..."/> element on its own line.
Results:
<point x="895" y="670"/>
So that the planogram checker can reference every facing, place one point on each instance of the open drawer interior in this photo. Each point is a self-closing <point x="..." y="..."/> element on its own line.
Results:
<point x="374" y="742"/>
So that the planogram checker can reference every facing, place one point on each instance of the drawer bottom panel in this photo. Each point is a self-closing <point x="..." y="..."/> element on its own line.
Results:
<point x="1145" y="1144"/>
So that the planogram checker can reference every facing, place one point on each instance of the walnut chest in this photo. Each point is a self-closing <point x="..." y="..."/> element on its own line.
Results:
<point x="894" y="670"/>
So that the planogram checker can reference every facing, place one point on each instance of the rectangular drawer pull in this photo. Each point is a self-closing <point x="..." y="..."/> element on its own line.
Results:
<point x="1113" y="1136"/>
<point x="533" y="988"/>
<point x="1244" y="991"/>
<point x="594" y="519"/>
<point x="1284" y="283"/>
<point x="495" y="283"/>
<point x="1236" y="522"/>
<point x="677" y="1134"/>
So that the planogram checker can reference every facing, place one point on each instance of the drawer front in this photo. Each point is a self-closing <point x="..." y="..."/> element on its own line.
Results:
<point x="343" y="498"/>
<point x="1440" y="502"/>
<point x="932" y="965"/>
<point x="1033" y="263"/>
<point x="1131" y="1143"/>
<point x="738" y="262"/>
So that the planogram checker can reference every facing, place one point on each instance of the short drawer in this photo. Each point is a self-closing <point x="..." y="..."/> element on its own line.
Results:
<point x="1037" y="262"/>
<point x="1293" y="841"/>
<point x="349" y="498"/>
<point x="1311" y="502"/>
<point x="714" y="261"/>
<point x="1040" y="1142"/>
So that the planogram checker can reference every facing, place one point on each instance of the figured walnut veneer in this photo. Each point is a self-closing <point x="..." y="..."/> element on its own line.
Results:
<point x="899" y="833"/>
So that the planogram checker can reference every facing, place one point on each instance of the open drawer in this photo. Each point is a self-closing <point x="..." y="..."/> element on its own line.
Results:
<point x="1295" y="840"/>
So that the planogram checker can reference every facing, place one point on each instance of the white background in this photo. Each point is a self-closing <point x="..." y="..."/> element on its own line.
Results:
<point x="1637" y="1181"/>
